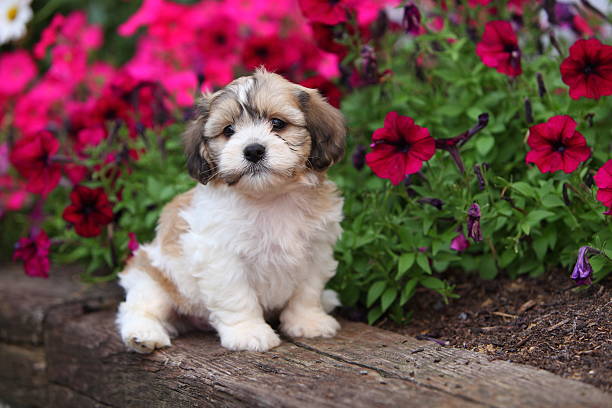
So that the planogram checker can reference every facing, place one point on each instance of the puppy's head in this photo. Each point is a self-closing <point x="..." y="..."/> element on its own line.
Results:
<point x="261" y="132"/>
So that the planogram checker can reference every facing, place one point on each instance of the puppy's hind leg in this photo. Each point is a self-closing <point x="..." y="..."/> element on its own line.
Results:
<point x="144" y="318"/>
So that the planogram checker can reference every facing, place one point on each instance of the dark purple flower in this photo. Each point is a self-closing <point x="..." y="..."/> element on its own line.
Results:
<point x="411" y="22"/>
<point x="460" y="242"/>
<point x="435" y="202"/>
<point x="528" y="112"/>
<point x="564" y="13"/>
<point x="541" y="86"/>
<point x="359" y="157"/>
<point x="473" y="223"/>
<point x="479" y="176"/>
<point x="370" y="65"/>
<point x="583" y="271"/>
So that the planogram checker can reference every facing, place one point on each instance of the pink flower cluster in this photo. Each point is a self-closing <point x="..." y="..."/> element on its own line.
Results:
<point x="57" y="115"/>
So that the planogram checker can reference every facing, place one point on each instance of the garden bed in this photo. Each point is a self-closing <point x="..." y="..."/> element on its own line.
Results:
<point x="541" y="322"/>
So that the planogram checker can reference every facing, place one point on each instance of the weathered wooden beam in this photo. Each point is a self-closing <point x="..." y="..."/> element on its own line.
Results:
<point x="26" y="302"/>
<point x="85" y="355"/>
<point x="23" y="380"/>
<point x="85" y="364"/>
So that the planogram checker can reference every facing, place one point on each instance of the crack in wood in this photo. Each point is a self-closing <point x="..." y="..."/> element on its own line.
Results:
<point x="386" y="374"/>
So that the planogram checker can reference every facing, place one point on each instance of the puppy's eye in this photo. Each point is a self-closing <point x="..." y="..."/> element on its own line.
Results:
<point x="278" y="124"/>
<point x="228" y="130"/>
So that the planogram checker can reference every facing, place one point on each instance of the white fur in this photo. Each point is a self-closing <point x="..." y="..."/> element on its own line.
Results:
<point x="241" y="258"/>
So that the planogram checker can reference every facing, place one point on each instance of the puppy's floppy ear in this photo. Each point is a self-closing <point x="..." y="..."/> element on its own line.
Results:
<point x="327" y="129"/>
<point x="199" y="163"/>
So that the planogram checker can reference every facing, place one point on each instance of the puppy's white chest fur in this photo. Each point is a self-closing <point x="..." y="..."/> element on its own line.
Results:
<point x="274" y="238"/>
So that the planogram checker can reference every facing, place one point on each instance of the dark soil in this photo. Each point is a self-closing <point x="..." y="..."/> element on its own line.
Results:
<point x="542" y="322"/>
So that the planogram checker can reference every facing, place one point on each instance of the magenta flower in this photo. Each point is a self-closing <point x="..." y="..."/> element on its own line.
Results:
<point x="34" y="252"/>
<point x="499" y="48"/>
<point x="603" y="180"/>
<point x="399" y="148"/>
<point x="17" y="69"/>
<point x="132" y="243"/>
<point x="460" y="242"/>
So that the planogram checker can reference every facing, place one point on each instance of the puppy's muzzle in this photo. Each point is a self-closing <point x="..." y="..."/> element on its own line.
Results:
<point x="254" y="152"/>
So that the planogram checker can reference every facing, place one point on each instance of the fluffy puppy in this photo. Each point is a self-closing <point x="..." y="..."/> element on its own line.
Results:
<point x="256" y="235"/>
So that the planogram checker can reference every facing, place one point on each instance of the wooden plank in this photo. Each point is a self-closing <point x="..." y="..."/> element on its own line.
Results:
<point x="85" y="355"/>
<point x="23" y="381"/>
<point x="456" y="371"/>
<point x="87" y="366"/>
<point x="25" y="302"/>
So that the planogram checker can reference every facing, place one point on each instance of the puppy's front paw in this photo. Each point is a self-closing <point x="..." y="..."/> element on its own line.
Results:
<point x="249" y="336"/>
<point x="145" y="336"/>
<point x="308" y="324"/>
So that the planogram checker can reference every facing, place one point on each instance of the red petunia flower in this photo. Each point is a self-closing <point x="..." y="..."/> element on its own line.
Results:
<point x="219" y="37"/>
<point x="588" y="69"/>
<point x="268" y="51"/>
<point x="556" y="145"/>
<point x="32" y="156"/>
<point x="326" y="87"/>
<point x="399" y="148"/>
<point x="34" y="252"/>
<point x="325" y="39"/>
<point x="324" y="11"/>
<point x="499" y="48"/>
<point x="89" y="212"/>
<point x="603" y="180"/>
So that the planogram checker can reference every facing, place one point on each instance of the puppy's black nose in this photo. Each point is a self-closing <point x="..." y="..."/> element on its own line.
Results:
<point x="254" y="152"/>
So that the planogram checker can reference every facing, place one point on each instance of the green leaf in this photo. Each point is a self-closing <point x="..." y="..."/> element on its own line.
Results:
<point x="432" y="283"/>
<point x="423" y="262"/>
<point x="375" y="291"/>
<point x="374" y="314"/>
<point x="552" y="201"/>
<point x="524" y="188"/>
<point x="534" y="218"/>
<point x="408" y="290"/>
<point x="350" y="295"/>
<point x="387" y="298"/>
<point x="540" y="245"/>
<point x="405" y="262"/>
<point x="487" y="267"/>
<point x="484" y="144"/>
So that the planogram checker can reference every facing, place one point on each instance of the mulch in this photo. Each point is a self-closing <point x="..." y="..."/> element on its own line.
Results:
<point x="543" y="322"/>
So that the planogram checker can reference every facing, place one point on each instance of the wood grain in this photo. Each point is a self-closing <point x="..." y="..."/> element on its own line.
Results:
<point x="59" y="348"/>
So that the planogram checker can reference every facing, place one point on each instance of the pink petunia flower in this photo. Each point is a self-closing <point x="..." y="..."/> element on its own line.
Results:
<point x="17" y="69"/>
<point x="460" y="243"/>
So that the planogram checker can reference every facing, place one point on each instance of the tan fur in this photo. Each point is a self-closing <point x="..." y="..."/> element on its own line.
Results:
<point x="141" y="261"/>
<point x="172" y="225"/>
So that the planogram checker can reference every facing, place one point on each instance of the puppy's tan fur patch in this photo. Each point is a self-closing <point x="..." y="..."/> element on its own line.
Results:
<point x="172" y="225"/>
<point x="140" y="261"/>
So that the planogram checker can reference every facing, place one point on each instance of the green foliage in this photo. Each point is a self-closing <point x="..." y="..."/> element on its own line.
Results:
<point x="392" y="244"/>
<point x="138" y="196"/>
